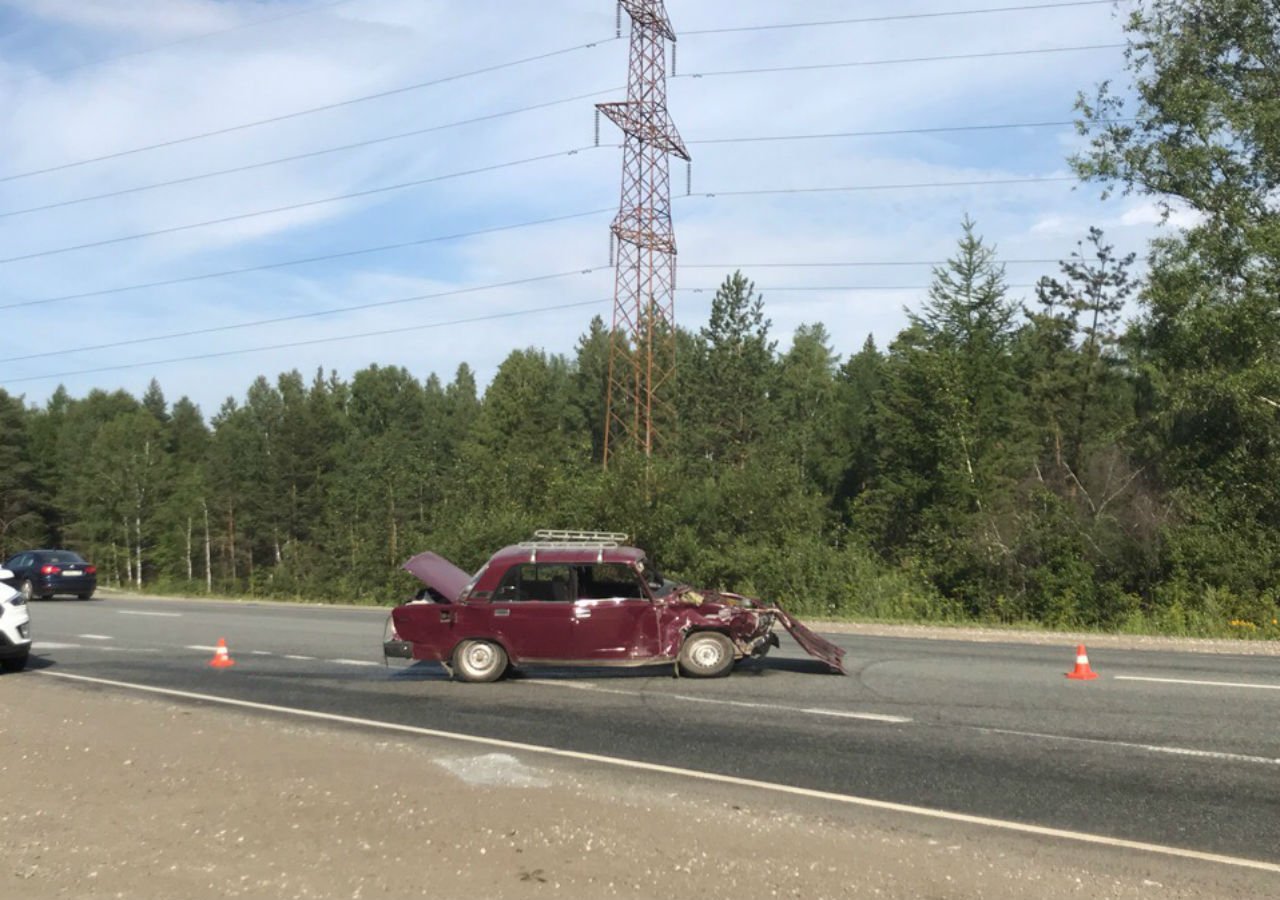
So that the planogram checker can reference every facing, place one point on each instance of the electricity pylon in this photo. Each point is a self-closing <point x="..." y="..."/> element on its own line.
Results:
<point x="642" y="350"/>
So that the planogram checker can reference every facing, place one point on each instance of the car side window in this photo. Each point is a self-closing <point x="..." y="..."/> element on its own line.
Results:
<point x="609" y="581"/>
<point x="536" y="582"/>
<point x="21" y="561"/>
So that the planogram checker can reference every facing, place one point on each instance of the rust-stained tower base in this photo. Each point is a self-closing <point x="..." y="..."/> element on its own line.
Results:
<point x="642" y="352"/>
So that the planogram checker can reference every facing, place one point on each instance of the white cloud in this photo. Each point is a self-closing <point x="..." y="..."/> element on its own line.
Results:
<point x="1151" y="213"/>
<point x="366" y="46"/>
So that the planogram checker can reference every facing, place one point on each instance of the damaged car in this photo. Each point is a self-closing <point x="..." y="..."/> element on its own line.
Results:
<point x="581" y="598"/>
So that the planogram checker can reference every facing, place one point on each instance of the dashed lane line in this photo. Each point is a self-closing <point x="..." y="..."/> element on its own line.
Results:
<point x="1229" y="684"/>
<point x="158" y="615"/>
<point x="95" y="637"/>
<point x="840" y="713"/>
<point x="203" y="648"/>
<point x="1149" y="748"/>
<point x="698" y="775"/>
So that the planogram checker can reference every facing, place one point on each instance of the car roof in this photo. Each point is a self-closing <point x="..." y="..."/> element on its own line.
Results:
<point x="578" y="554"/>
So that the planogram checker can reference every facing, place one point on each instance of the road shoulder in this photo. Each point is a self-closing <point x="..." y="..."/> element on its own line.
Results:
<point x="128" y="796"/>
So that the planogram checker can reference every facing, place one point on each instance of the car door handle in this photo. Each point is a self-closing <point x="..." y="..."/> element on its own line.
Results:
<point x="446" y="617"/>
<point x="502" y="612"/>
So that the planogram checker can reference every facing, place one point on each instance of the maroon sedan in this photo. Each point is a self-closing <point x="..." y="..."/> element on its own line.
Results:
<point x="581" y="598"/>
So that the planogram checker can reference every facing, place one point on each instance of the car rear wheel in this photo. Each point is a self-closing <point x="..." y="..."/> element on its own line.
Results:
<point x="706" y="654"/>
<point x="479" y="661"/>
<point x="14" y="663"/>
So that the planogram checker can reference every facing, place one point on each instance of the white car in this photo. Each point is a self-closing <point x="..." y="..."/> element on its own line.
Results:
<point x="15" y="627"/>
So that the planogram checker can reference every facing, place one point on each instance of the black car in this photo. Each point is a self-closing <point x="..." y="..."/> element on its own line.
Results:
<point x="43" y="573"/>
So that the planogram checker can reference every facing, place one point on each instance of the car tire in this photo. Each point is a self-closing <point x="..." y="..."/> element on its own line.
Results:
<point x="479" y="661"/>
<point x="706" y="654"/>
<point x="88" y="596"/>
<point x="28" y="590"/>
<point x="14" y="663"/>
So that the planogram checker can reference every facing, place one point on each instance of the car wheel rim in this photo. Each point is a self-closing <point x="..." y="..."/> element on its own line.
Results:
<point x="706" y="654"/>
<point x="480" y="657"/>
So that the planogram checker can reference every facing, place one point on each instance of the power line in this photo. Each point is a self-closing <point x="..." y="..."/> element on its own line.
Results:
<point x="411" y="328"/>
<point x="445" y="79"/>
<point x="992" y="54"/>
<point x="887" y="132"/>
<point x="102" y="60"/>
<point x="710" y="195"/>
<point x="218" y="329"/>
<point x="292" y="206"/>
<point x="395" y="187"/>
<point x="326" y="257"/>
<point x="300" y="156"/>
<point x="420" y="131"/>
<point x="858" y="264"/>
<point x="835" y="287"/>
<point x="309" y="111"/>
<point x="474" y="289"/>
<point x="329" y="340"/>
<point x="900" y="17"/>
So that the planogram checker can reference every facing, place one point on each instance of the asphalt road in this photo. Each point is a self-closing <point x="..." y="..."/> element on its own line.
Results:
<point x="1190" y="761"/>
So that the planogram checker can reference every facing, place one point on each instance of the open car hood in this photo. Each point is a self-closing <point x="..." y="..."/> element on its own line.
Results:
<point x="439" y="574"/>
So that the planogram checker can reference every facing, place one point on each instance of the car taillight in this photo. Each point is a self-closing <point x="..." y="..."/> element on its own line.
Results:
<point x="50" y="570"/>
<point x="91" y="570"/>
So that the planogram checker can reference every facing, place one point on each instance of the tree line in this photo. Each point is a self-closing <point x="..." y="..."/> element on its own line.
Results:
<point x="1034" y="459"/>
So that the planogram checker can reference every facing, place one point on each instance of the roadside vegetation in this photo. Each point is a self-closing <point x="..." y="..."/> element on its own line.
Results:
<point x="1028" y="460"/>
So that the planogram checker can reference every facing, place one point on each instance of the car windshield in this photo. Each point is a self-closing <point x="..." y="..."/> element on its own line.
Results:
<point x="61" y="558"/>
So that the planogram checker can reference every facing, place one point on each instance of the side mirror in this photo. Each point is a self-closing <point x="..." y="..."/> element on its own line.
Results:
<point x="5" y="573"/>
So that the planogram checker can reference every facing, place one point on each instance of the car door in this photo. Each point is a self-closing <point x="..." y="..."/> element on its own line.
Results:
<point x="531" y="612"/>
<point x="614" y="619"/>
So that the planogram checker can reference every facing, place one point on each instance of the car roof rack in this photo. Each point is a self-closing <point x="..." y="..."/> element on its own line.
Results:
<point x="563" y="539"/>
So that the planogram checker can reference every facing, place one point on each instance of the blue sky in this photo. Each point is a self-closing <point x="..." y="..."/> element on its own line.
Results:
<point x="89" y="78"/>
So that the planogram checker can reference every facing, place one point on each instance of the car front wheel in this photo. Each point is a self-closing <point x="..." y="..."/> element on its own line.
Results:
<point x="479" y="661"/>
<point x="28" y="590"/>
<point x="706" y="654"/>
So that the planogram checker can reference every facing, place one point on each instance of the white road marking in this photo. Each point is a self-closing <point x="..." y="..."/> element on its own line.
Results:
<point x="132" y="612"/>
<point x="1150" y="748"/>
<point x="295" y="656"/>
<point x="201" y="647"/>
<point x="96" y="637"/>
<point x="260" y="653"/>
<point x="696" y="774"/>
<point x="838" y="713"/>
<point x="870" y="717"/>
<point x="355" y="662"/>
<point x="54" y="645"/>
<point x="1230" y="684"/>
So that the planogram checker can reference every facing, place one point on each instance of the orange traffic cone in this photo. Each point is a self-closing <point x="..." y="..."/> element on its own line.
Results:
<point x="1082" y="670"/>
<point x="221" y="659"/>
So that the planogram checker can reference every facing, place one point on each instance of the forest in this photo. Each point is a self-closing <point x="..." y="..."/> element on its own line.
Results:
<point x="1104" y="453"/>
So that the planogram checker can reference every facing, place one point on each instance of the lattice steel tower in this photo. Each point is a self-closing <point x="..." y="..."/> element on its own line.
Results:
<point x="642" y="351"/>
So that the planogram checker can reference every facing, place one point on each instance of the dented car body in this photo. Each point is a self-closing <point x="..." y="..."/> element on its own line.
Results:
<point x="581" y="598"/>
